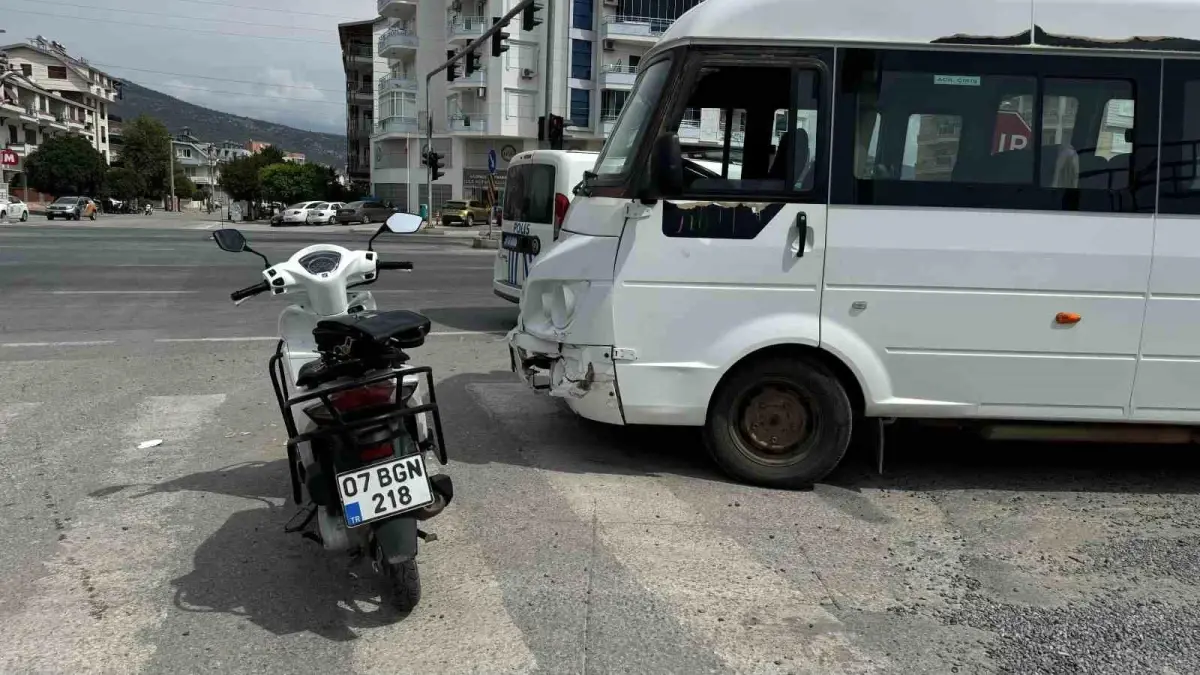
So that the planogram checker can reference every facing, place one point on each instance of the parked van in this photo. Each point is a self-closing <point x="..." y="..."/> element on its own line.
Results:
<point x="537" y="192"/>
<point x="984" y="210"/>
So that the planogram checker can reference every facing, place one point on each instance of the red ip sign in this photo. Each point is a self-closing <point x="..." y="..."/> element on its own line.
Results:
<point x="9" y="158"/>
<point x="1012" y="133"/>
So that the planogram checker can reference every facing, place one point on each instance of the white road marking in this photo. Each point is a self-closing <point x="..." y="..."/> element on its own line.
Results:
<point x="119" y="292"/>
<point x="107" y="587"/>
<point x="456" y="582"/>
<point x="261" y="338"/>
<point x="84" y="343"/>
<point x="748" y="613"/>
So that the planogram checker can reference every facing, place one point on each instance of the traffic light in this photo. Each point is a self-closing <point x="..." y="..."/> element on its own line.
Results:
<point x="498" y="38"/>
<point x="452" y="69"/>
<point x="424" y="159"/>
<point x="529" y="19"/>
<point x="555" y="131"/>
<point x="434" y="161"/>
<point x="472" y="63"/>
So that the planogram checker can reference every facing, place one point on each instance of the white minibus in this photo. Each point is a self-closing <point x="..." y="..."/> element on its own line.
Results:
<point x="976" y="210"/>
<point x="537" y="193"/>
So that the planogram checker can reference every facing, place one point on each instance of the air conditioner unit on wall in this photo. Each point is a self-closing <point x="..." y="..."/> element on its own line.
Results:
<point x="610" y="45"/>
<point x="527" y="73"/>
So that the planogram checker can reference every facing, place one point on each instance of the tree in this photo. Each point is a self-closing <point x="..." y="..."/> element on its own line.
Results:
<point x="66" y="165"/>
<point x="184" y="187"/>
<point x="147" y="153"/>
<point x="120" y="183"/>
<point x="240" y="177"/>
<point x="288" y="183"/>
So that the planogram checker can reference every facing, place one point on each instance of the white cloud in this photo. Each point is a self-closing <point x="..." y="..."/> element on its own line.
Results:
<point x="303" y="78"/>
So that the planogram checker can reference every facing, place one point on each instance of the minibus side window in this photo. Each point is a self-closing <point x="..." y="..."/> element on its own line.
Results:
<point x="995" y="131"/>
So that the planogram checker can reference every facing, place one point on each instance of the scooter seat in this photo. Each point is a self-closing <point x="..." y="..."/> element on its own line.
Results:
<point x="401" y="328"/>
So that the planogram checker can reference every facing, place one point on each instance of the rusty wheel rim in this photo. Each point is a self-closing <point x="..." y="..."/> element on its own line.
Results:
<point x="775" y="424"/>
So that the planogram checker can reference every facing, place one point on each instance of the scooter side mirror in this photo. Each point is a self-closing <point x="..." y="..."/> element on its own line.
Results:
<point x="403" y="223"/>
<point x="233" y="241"/>
<point x="398" y="223"/>
<point x="230" y="240"/>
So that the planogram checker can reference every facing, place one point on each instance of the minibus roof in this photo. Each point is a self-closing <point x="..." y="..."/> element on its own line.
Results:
<point x="1158" y="25"/>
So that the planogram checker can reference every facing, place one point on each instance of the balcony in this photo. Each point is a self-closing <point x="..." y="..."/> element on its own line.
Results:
<point x="11" y="107"/>
<point x="473" y="81"/>
<point x="608" y="121"/>
<point x="29" y="113"/>
<point x="364" y="93"/>
<point x="467" y="122"/>
<point x="466" y="28"/>
<point x="617" y="76"/>
<point x="399" y="41"/>
<point x="397" y="83"/>
<point x="358" y="53"/>
<point x="60" y="122"/>
<point x="397" y="9"/>
<point x="397" y="126"/>
<point x="638" y="29"/>
<point x="23" y="149"/>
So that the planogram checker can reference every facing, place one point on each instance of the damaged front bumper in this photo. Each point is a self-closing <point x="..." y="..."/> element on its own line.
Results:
<point x="582" y="375"/>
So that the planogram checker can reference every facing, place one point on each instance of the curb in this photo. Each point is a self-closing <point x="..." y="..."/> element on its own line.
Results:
<point x="483" y="242"/>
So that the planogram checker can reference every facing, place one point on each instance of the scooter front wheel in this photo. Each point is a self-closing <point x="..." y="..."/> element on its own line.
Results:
<point x="403" y="581"/>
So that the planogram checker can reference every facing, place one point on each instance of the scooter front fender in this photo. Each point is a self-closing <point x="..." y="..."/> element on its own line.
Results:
<point x="397" y="538"/>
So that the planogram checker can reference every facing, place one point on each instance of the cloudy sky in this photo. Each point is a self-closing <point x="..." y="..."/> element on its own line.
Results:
<point x="284" y="52"/>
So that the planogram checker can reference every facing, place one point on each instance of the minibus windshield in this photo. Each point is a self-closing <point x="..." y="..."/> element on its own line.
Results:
<point x="618" y="153"/>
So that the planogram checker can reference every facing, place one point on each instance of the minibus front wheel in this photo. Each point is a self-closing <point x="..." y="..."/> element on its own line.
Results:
<point x="779" y="422"/>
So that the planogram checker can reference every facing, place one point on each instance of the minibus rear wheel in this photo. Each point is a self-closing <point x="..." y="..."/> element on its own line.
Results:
<point x="779" y="422"/>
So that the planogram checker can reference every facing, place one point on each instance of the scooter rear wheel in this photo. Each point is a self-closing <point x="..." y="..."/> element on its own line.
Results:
<point x="403" y="581"/>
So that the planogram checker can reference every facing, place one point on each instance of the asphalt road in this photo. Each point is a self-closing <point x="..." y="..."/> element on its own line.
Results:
<point x="570" y="547"/>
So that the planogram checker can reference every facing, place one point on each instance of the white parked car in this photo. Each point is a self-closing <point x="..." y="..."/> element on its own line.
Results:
<point x="323" y="213"/>
<point x="13" y="209"/>
<point x="297" y="214"/>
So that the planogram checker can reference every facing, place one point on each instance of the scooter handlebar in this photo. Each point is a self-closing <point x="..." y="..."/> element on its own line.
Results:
<point x="398" y="265"/>
<point x="249" y="291"/>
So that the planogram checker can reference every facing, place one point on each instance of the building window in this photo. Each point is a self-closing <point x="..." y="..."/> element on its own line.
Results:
<point x="581" y="107"/>
<point x="581" y="14"/>
<point x="27" y="69"/>
<point x="56" y="72"/>
<point x="581" y="59"/>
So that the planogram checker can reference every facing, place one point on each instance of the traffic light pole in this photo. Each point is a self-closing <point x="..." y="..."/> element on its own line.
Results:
<point x="462" y="54"/>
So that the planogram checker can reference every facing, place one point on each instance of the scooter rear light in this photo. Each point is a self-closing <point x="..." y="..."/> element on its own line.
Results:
<point x="561" y="204"/>
<point x="375" y="452"/>
<point x="364" y="397"/>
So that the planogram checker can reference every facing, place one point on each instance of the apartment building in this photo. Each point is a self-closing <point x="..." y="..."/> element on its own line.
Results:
<point x="201" y="161"/>
<point x="593" y="59"/>
<point x="48" y="65"/>
<point x="29" y="115"/>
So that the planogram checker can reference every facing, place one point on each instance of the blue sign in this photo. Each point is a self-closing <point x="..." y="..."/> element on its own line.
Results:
<point x="491" y="161"/>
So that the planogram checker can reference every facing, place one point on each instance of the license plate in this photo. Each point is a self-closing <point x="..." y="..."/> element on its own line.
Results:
<point x="383" y="490"/>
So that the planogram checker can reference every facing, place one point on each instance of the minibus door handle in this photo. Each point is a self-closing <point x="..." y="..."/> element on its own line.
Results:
<point x="804" y="234"/>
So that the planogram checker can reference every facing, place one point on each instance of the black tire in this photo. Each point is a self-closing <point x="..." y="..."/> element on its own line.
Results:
<point x="366" y="219"/>
<point x="24" y="216"/>
<point x="49" y="217"/>
<point x="469" y="221"/>
<point x="799" y="402"/>
<point x="403" y="584"/>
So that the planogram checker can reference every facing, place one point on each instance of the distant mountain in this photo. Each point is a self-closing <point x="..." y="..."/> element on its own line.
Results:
<point x="214" y="126"/>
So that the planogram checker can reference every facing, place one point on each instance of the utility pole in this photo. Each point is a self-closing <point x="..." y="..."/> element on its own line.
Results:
<point x="548" y="81"/>
<point x="171" y="170"/>
<point x="470" y="48"/>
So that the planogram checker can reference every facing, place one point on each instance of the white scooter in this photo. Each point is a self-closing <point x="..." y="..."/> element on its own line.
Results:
<point x="359" y="419"/>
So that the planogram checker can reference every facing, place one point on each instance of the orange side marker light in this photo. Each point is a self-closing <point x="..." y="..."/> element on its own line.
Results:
<point x="1066" y="318"/>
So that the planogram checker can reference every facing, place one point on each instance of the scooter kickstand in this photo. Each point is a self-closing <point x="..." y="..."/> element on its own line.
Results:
<point x="426" y="536"/>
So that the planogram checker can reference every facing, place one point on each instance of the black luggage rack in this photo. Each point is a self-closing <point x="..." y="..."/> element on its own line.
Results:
<point x="345" y="426"/>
